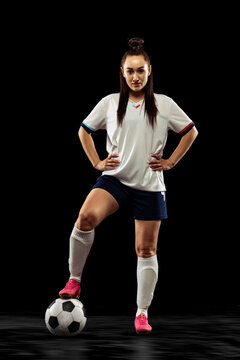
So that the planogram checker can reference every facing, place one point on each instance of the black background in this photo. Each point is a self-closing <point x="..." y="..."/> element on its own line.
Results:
<point x="59" y="63"/>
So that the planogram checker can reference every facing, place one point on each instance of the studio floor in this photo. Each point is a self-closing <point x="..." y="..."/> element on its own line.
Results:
<point x="174" y="336"/>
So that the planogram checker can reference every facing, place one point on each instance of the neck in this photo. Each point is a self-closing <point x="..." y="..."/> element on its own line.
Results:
<point x="136" y="96"/>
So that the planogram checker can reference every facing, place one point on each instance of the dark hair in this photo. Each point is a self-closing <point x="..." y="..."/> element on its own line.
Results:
<point x="136" y="48"/>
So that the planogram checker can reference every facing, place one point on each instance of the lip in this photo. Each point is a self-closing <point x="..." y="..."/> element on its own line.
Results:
<point x="136" y="85"/>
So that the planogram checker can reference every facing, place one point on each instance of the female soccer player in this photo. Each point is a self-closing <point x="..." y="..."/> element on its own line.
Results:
<point x="137" y="122"/>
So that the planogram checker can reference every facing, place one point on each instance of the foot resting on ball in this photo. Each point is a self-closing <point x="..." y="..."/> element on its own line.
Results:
<point x="141" y="325"/>
<point x="71" y="290"/>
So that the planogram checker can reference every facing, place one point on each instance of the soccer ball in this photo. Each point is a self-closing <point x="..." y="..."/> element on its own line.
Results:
<point x="65" y="317"/>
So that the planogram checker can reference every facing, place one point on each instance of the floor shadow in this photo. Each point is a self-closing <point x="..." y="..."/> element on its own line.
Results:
<point x="193" y="337"/>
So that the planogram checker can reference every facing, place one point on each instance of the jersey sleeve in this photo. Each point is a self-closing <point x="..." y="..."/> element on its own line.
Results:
<point x="178" y="121"/>
<point x="96" y="119"/>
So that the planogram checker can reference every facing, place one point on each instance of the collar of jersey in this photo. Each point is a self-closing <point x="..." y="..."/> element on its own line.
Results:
<point x="136" y="104"/>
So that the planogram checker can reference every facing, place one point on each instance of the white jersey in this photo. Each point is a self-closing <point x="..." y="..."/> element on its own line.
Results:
<point x="136" y="140"/>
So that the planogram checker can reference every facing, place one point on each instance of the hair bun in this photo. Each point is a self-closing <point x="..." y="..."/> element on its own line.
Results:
<point x="136" y="43"/>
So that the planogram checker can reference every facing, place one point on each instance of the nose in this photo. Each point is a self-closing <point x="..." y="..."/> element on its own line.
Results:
<point x="135" y="77"/>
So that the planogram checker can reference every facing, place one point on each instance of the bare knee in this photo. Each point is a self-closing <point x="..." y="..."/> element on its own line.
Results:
<point x="86" y="221"/>
<point x="145" y="252"/>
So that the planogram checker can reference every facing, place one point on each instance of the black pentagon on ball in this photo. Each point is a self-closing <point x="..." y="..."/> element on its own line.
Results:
<point x="68" y="306"/>
<point x="74" y="326"/>
<point x="53" y="322"/>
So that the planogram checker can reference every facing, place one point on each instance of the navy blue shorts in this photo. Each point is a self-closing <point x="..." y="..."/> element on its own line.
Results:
<point x="146" y="205"/>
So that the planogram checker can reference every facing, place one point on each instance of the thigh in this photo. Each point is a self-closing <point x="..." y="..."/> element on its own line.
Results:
<point x="98" y="205"/>
<point x="146" y="237"/>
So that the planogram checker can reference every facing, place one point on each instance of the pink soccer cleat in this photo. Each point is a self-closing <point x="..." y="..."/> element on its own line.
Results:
<point x="141" y="325"/>
<point x="71" y="290"/>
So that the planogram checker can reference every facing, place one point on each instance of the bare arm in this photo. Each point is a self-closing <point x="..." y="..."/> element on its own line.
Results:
<point x="89" y="147"/>
<point x="183" y="146"/>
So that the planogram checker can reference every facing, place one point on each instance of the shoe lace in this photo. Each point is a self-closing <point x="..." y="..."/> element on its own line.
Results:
<point x="70" y="283"/>
<point x="141" y="318"/>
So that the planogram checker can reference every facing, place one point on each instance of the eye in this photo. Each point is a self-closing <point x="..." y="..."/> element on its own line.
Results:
<point x="129" y="71"/>
<point x="141" y="71"/>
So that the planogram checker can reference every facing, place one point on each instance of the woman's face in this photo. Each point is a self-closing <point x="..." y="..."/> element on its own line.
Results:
<point x="136" y="72"/>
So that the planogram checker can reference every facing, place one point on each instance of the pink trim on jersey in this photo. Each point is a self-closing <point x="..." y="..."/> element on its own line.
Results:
<point x="185" y="127"/>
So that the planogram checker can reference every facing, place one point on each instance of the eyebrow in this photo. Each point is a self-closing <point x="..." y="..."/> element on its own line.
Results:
<point x="141" y="67"/>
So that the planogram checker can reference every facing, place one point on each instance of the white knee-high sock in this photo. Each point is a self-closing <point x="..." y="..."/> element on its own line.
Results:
<point x="79" y="248"/>
<point x="147" y="275"/>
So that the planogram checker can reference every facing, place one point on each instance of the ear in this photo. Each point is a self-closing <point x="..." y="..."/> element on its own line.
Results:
<point x="149" y="70"/>
<point x="122" y="71"/>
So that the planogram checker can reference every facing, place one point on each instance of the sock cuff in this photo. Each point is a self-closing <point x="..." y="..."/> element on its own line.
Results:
<point x="148" y="259"/>
<point x="81" y="231"/>
<point x="147" y="263"/>
<point x="85" y="237"/>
